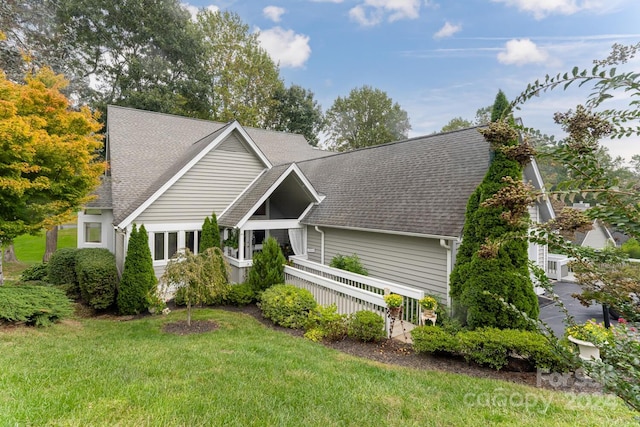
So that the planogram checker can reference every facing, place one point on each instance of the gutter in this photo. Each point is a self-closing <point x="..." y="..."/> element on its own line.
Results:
<point x="448" y="247"/>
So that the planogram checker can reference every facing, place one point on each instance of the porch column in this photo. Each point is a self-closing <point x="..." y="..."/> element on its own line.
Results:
<point x="241" y="244"/>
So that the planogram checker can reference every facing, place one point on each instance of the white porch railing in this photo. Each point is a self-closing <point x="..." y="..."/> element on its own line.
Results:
<point x="558" y="266"/>
<point x="349" y="291"/>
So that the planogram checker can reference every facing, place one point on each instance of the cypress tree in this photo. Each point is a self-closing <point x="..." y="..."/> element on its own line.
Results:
<point x="215" y="231"/>
<point x="486" y="265"/>
<point x="500" y="106"/>
<point x="138" y="278"/>
<point x="206" y="237"/>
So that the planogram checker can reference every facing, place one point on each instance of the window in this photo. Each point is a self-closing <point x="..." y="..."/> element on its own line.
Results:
<point x="165" y="245"/>
<point x="92" y="232"/>
<point x="158" y="246"/>
<point x="190" y="240"/>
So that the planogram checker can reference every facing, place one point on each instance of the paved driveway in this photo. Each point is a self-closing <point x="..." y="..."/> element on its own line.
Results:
<point x="554" y="317"/>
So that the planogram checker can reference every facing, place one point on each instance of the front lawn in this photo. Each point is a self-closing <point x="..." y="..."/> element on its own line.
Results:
<point x="129" y="373"/>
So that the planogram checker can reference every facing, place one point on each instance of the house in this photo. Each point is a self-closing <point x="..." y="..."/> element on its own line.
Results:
<point x="399" y="206"/>
<point x="598" y="237"/>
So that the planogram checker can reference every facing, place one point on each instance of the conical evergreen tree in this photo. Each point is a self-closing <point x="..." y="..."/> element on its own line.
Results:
<point x="138" y="278"/>
<point x="206" y="237"/>
<point x="487" y="266"/>
<point x="500" y="107"/>
<point x="215" y="231"/>
<point x="268" y="266"/>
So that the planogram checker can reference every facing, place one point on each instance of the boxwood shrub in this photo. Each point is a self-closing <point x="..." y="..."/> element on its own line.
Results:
<point x="287" y="305"/>
<point x="97" y="276"/>
<point x="366" y="326"/>
<point x="33" y="305"/>
<point x="62" y="267"/>
<point x="490" y="346"/>
<point x="240" y="295"/>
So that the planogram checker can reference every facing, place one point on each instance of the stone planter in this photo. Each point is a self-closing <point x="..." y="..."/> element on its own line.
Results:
<point x="588" y="350"/>
<point x="395" y="312"/>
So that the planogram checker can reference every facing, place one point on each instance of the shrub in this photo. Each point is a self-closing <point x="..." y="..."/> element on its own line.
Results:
<point x="632" y="248"/>
<point x="326" y="323"/>
<point x="268" y="266"/>
<point x="287" y="305"/>
<point x="33" y="305"/>
<point x="62" y="267"/>
<point x="97" y="277"/>
<point x="434" y="339"/>
<point x="240" y="295"/>
<point x="366" y="326"/>
<point x="348" y="263"/>
<point x="36" y="272"/>
<point x="138" y="283"/>
<point x="490" y="346"/>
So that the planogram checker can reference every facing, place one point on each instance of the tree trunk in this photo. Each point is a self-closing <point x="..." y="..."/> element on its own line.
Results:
<point x="1" y="257"/>
<point x="9" y="254"/>
<point x="52" y="243"/>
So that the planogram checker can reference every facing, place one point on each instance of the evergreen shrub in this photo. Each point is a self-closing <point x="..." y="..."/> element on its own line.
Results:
<point x="62" y="267"/>
<point x="33" y="305"/>
<point x="287" y="305"/>
<point x="97" y="277"/>
<point x="36" y="272"/>
<point x="139" y="284"/>
<point x="240" y="295"/>
<point x="268" y="266"/>
<point x="490" y="346"/>
<point x="366" y="326"/>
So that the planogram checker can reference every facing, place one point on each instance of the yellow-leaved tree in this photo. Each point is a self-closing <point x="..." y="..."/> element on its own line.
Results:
<point x="49" y="155"/>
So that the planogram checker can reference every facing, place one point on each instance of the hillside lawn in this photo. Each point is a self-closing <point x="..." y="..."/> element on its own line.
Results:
<point x="30" y="249"/>
<point x="108" y="371"/>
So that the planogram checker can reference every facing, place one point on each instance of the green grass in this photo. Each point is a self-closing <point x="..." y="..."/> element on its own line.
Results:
<point x="129" y="373"/>
<point x="30" y="249"/>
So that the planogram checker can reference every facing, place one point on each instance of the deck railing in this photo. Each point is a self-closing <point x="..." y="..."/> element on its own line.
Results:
<point x="349" y="291"/>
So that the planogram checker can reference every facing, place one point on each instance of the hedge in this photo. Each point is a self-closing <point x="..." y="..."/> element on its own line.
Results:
<point x="97" y="276"/>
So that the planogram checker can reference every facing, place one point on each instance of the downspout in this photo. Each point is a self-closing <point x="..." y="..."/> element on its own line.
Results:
<point x="321" y="244"/>
<point x="447" y="246"/>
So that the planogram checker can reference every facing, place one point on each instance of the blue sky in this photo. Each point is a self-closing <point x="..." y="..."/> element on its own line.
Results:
<point x="441" y="59"/>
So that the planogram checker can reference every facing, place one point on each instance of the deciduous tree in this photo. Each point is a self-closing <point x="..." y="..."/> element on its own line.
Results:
<point x="364" y="118"/>
<point x="48" y="155"/>
<point x="296" y="111"/>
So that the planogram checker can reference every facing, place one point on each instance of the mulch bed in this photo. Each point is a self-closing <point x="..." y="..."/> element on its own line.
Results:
<point x="394" y="352"/>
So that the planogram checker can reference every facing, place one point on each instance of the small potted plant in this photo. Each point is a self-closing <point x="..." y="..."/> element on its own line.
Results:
<point x="429" y="305"/>
<point x="589" y="336"/>
<point x="394" y="303"/>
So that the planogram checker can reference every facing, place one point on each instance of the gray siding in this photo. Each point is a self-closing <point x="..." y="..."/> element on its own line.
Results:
<point x="411" y="261"/>
<point x="209" y="186"/>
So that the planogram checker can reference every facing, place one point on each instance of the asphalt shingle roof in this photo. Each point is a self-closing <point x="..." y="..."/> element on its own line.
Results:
<point x="147" y="148"/>
<point x="420" y="185"/>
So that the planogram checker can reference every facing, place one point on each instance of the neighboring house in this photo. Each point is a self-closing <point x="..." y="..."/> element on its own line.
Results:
<point x="399" y="206"/>
<point x="598" y="237"/>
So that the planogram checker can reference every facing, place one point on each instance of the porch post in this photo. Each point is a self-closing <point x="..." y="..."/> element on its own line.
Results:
<point x="241" y="244"/>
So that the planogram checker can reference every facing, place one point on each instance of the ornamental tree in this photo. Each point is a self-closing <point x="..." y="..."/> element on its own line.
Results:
<point x="138" y="285"/>
<point x="485" y="266"/>
<point x="48" y="155"/>
<point x="200" y="278"/>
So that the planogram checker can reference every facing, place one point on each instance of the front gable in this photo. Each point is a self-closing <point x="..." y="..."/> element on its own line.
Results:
<point x="207" y="179"/>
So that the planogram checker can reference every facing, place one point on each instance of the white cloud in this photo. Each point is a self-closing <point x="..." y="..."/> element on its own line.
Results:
<point x="193" y="10"/>
<point x="273" y="12"/>
<point x="447" y="30"/>
<point x="373" y="12"/>
<point x="542" y="8"/>
<point x="522" y="51"/>
<point x="285" y="46"/>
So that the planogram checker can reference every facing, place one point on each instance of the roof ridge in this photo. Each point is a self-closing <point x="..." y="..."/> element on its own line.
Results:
<point x="388" y="144"/>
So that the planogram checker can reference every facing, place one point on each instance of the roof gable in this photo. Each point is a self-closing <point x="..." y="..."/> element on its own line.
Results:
<point x="145" y="149"/>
